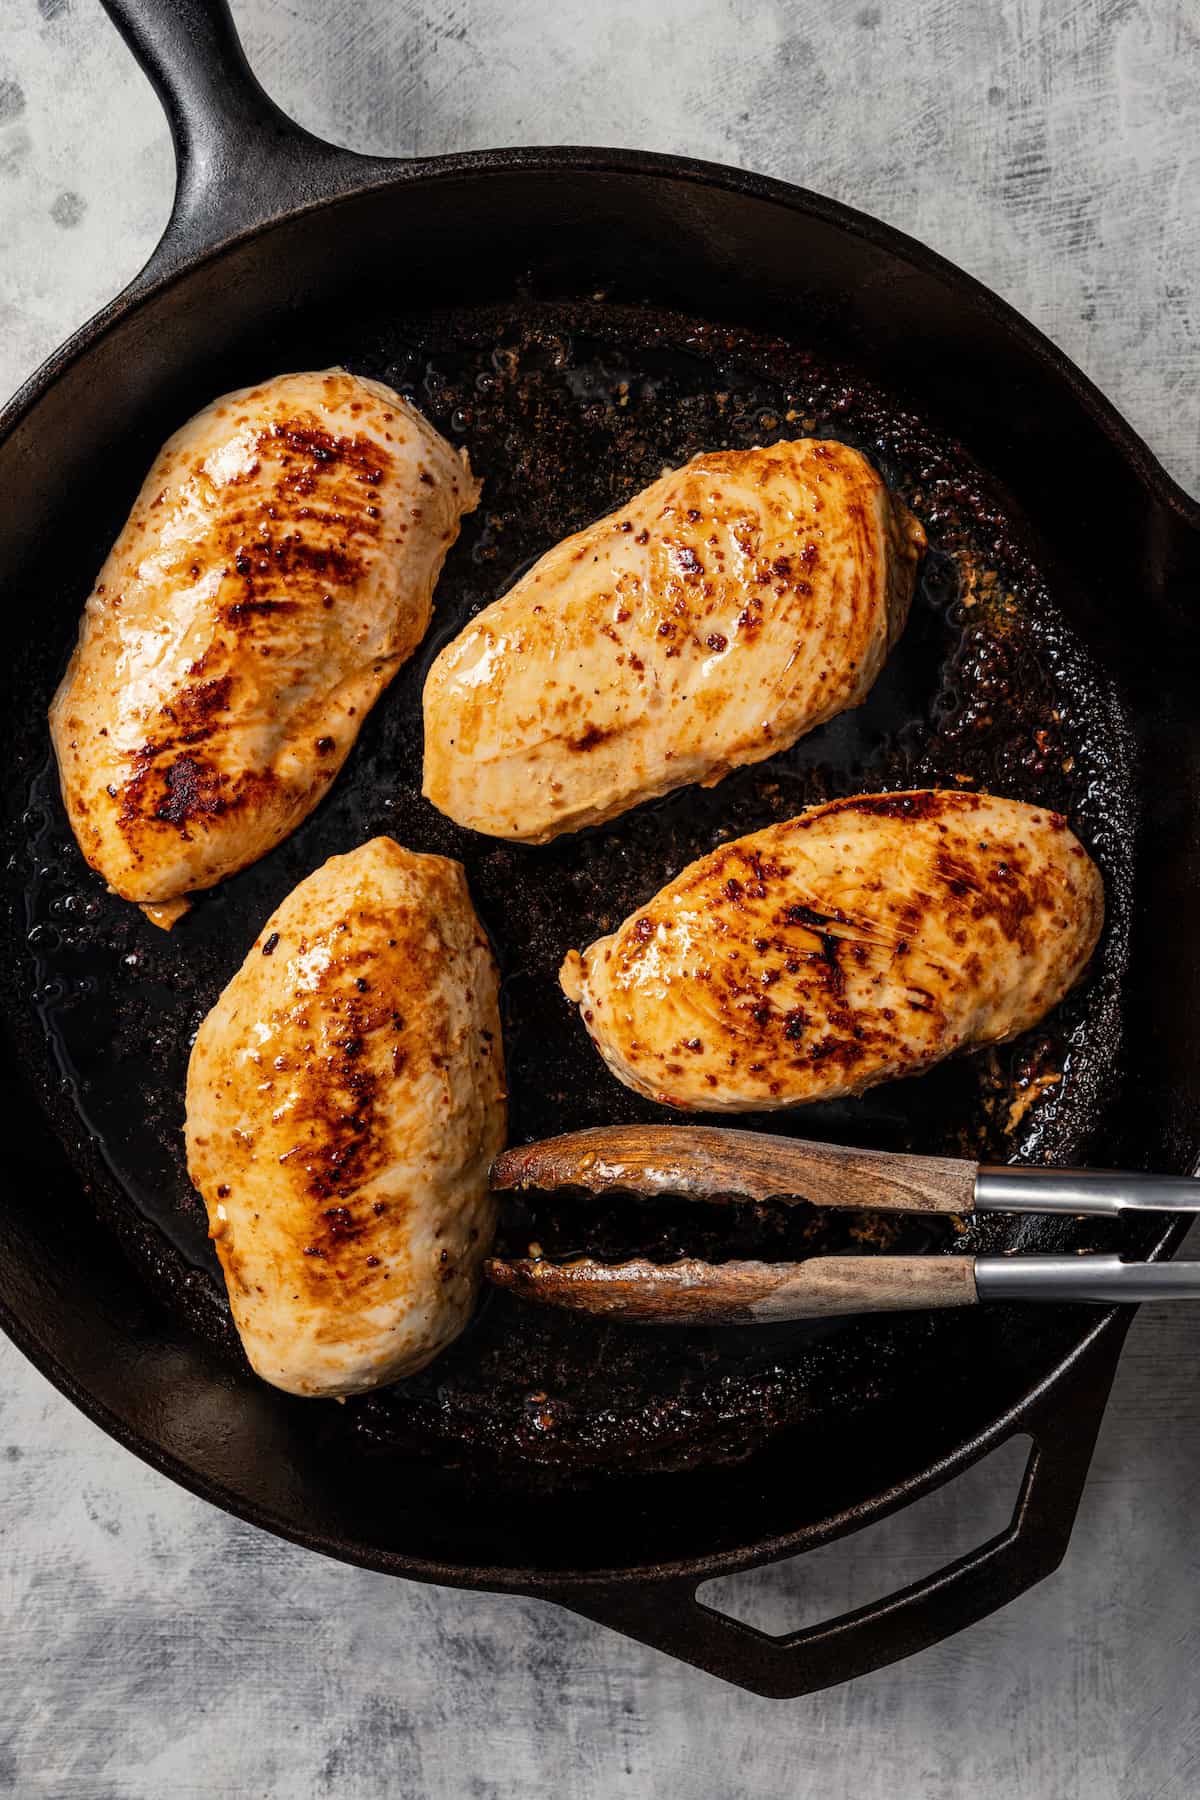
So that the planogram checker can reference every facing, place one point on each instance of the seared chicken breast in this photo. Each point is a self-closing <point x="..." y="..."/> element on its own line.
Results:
<point x="345" y="1099"/>
<point x="716" y="618"/>
<point x="864" y="940"/>
<point x="277" y="568"/>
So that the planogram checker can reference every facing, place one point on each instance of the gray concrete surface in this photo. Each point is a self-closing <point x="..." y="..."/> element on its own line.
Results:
<point x="153" y="1648"/>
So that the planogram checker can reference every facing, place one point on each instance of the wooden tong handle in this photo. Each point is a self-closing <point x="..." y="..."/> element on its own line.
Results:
<point x="710" y="1163"/>
<point x="745" y="1293"/>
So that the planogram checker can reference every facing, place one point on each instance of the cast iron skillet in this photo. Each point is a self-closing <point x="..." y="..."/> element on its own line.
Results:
<point x="580" y="318"/>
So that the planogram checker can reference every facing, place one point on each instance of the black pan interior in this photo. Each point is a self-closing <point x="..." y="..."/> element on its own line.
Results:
<point x="568" y="405"/>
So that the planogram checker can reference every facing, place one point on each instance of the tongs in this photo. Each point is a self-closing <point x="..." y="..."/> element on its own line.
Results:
<point x="709" y="1163"/>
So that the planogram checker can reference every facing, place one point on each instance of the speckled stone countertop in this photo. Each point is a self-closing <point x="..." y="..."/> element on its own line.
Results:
<point x="153" y="1647"/>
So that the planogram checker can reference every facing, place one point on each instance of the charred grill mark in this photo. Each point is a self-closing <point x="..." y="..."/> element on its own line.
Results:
<point x="272" y="561"/>
<point x="315" y="526"/>
<point x="315" y="449"/>
<point x="800" y="914"/>
<point x="193" y="711"/>
<point x="241" y="610"/>
<point x="340" y="1109"/>
<point x="834" y="977"/>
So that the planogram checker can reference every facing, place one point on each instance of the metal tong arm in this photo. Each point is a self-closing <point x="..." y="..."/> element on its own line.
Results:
<point x="1105" y="1280"/>
<point x="1100" y="1193"/>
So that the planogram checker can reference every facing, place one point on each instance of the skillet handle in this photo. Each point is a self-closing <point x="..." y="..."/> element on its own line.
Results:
<point x="239" y="160"/>
<point x="1063" y="1424"/>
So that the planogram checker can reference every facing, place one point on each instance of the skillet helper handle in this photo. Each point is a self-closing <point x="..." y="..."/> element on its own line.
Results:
<point x="239" y="159"/>
<point x="1063" y="1423"/>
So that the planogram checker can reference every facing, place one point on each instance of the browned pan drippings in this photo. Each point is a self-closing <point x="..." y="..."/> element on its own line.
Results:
<point x="567" y="411"/>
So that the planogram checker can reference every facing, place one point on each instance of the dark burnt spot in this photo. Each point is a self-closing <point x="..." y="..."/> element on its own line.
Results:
<point x="343" y="1227"/>
<point x="644" y="929"/>
<point x="193" y="790"/>
<point x="268" y="948"/>
<point x="800" y="914"/>
<point x="840" y="1052"/>
<point x="341" y="1107"/>
<point x="241" y="610"/>
<point x="833" y="973"/>
<point x="589" y="738"/>
<point x="322" y="447"/>
<point x="324" y="746"/>
<point x="794" y="1024"/>
<point x="732" y="889"/>
<point x="687" y="562"/>
<point x="716" y="642"/>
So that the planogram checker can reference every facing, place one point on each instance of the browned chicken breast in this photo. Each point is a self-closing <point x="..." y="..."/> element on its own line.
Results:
<point x="345" y="1098"/>
<point x="277" y="568"/>
<point x="721" y="614"/>
<point x="862" y="941"/>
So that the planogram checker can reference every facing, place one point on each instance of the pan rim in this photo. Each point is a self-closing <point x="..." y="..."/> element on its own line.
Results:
<point x="362" y="177"/>
<point x="532" y="1579"/>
